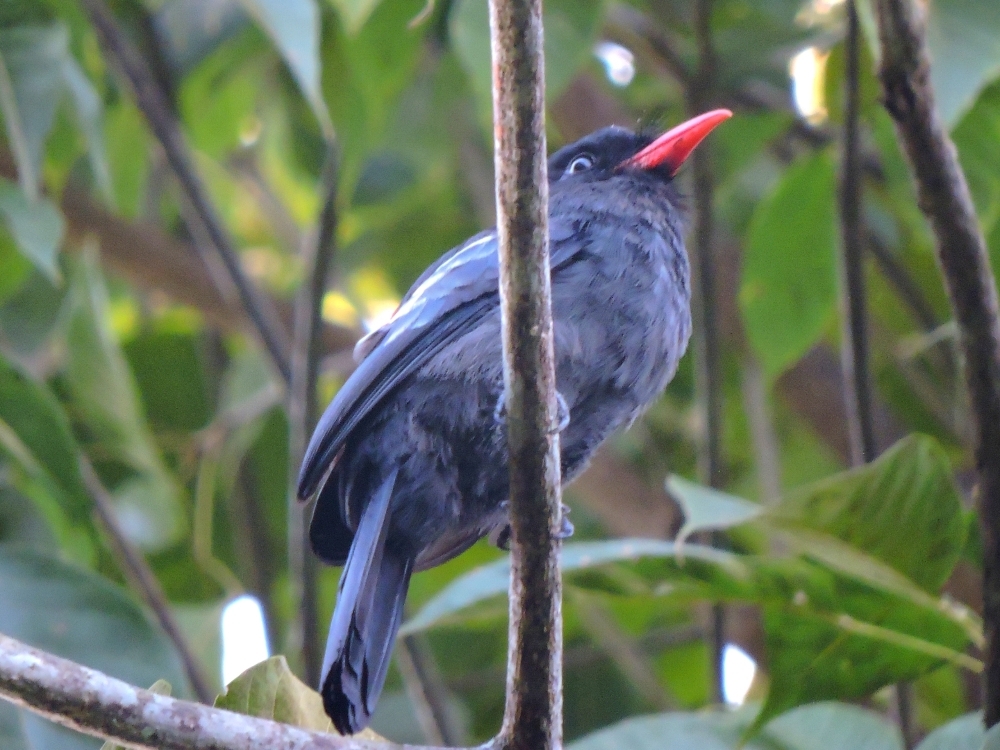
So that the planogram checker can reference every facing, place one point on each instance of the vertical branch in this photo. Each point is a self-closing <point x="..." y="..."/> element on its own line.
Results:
<point x="699" y="95"/>
<point x="854" y="337"/>
<point x="304" y="635"/>
<point x="156" y="108"/>
<point x="854" y="350"/>
<point x="533" y="714"/>
<point x="139" y="574"/>
<point x="943" y="195"/>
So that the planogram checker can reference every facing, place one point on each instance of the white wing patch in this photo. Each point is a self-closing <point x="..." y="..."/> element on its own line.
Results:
<point x="425" y="293"/>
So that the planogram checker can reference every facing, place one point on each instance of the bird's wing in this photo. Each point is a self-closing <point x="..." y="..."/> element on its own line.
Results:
<point x="445" y="303"/>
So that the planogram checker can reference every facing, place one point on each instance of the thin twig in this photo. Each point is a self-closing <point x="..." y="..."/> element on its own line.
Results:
<point x="96" y="704"/>
<point x="709" y="365"/>
<point x="141" y="576"/>
<point x="943" y="195"/>
<point x="854" y="338"/>
<point x="302" y="413"/>
<point x="427" y="691"/>
<point x="156" y="108"/>
<point x="854" y="350"/>
<point x="533" y="713"/>
<point x="624" y="651"/>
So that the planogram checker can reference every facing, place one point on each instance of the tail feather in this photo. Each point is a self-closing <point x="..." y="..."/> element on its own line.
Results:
<point x="368" y="614"/>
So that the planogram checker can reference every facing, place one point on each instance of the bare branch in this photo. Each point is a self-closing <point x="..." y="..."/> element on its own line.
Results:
<point x="302" y="413"/>
<point x="141" y="576"/>
<point x="154" y="105"/>
<point x="533" y="715"/>
<point x="699" y="91"/>
<point x="854" y="339"/>
<point x="943" y="195"/>
<point x="91" y="702"/>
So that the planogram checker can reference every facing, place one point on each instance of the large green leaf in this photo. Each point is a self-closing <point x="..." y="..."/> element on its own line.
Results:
<point x="570" y="30"/>
<point x="964" y="41"/>
<point x="107" y="400"/>
<point x="36" y="71"/>
<point x="294" y="27"/>
<point x="80" y="616"/>
<point x="270" y="690"/>
<point x="37" y="227"/>
<point x="34" y="431"/>
<point x="493" y="580"/>
<point x="789" y="287"/>
<point x="707" y="509"/>
<point x="977" y="137"/>
<point x="902" y="509"/>
<point x="823" y="726"/>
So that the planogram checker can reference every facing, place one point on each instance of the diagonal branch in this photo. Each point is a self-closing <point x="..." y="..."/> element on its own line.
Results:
<point x="533" y="714"/>
<point x="151" y="100"/>
<point x="302" y="411"/>
<point x="943" y="195"/>
<point x="138" y="572"/>
<point x="94" y="703"/>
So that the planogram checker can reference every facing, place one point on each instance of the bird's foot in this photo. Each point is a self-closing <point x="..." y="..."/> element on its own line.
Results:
<point x="562" y="411"/>
<point x="562" y="414"/>
<point x="565" y="525"/>
<point x="501" y="535"/>
<point x="500" y="412"/>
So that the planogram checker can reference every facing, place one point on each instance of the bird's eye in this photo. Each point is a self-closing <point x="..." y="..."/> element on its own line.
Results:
<point x="580" y="164"/>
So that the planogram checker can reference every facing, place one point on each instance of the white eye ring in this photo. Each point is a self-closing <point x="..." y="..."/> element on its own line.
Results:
<point x="580" y="164"/>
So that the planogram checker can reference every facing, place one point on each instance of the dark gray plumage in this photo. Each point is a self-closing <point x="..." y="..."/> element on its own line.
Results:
<point x="409" y="459"/>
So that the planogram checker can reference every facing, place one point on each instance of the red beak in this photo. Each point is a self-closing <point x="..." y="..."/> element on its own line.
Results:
<point x="673" y="148"/>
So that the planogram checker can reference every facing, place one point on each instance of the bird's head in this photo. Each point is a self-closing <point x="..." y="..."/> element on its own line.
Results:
<point x="615" y="150"/>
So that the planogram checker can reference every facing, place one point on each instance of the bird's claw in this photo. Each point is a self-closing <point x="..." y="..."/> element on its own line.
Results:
<point x="500" y="411"/>
<point x="500" y="537"/>
<point x="562" y="412"/>
<point x="565" y="525"/>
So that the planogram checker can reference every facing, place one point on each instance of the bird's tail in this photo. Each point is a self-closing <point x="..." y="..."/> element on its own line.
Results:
<point x="367" y="616"/>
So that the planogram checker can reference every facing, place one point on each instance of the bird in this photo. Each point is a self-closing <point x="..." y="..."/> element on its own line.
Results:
<point x="408" y="463"/>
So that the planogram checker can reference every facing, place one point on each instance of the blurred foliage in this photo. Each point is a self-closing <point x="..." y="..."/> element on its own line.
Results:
<point x="110" y="346"/>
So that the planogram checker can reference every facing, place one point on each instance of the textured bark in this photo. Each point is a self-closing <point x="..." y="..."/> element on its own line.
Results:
<point x="94" y="703"/>
<point x="533" y="714"/>
<point x="943" y="195"/>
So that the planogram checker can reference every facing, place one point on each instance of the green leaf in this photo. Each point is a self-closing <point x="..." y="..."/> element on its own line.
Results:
<point x="964" y="733"/>
<point x="31" y="85"/>
<point x="977" y="137"/>
<point x="354" y="13"/>
<point x="963" y="37"/>
<point x="80" y="616"/>
<point x="708" y="509"/>
<point x="853" y="644"/>
<point x="822" y="726"/>
<point x="571" y="28"/>
<point x="789" y="287"/>
<point x="35" y="432"/>
<point x="36" y="70"/>
<point x="902" y="509"/>
<point x="105" y="394"/>
<point x="37" y="226"/>
<point x="294" y="27"/>
<point x="493" y="579"/>
<point x="269" y="690"/>
<point x="160" y="687"/>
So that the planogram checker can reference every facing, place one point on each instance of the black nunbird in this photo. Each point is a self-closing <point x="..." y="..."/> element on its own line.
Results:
<point x="410" y="457"/>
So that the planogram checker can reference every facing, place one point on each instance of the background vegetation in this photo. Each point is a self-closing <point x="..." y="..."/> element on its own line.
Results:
<point x="123" y="343"/>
